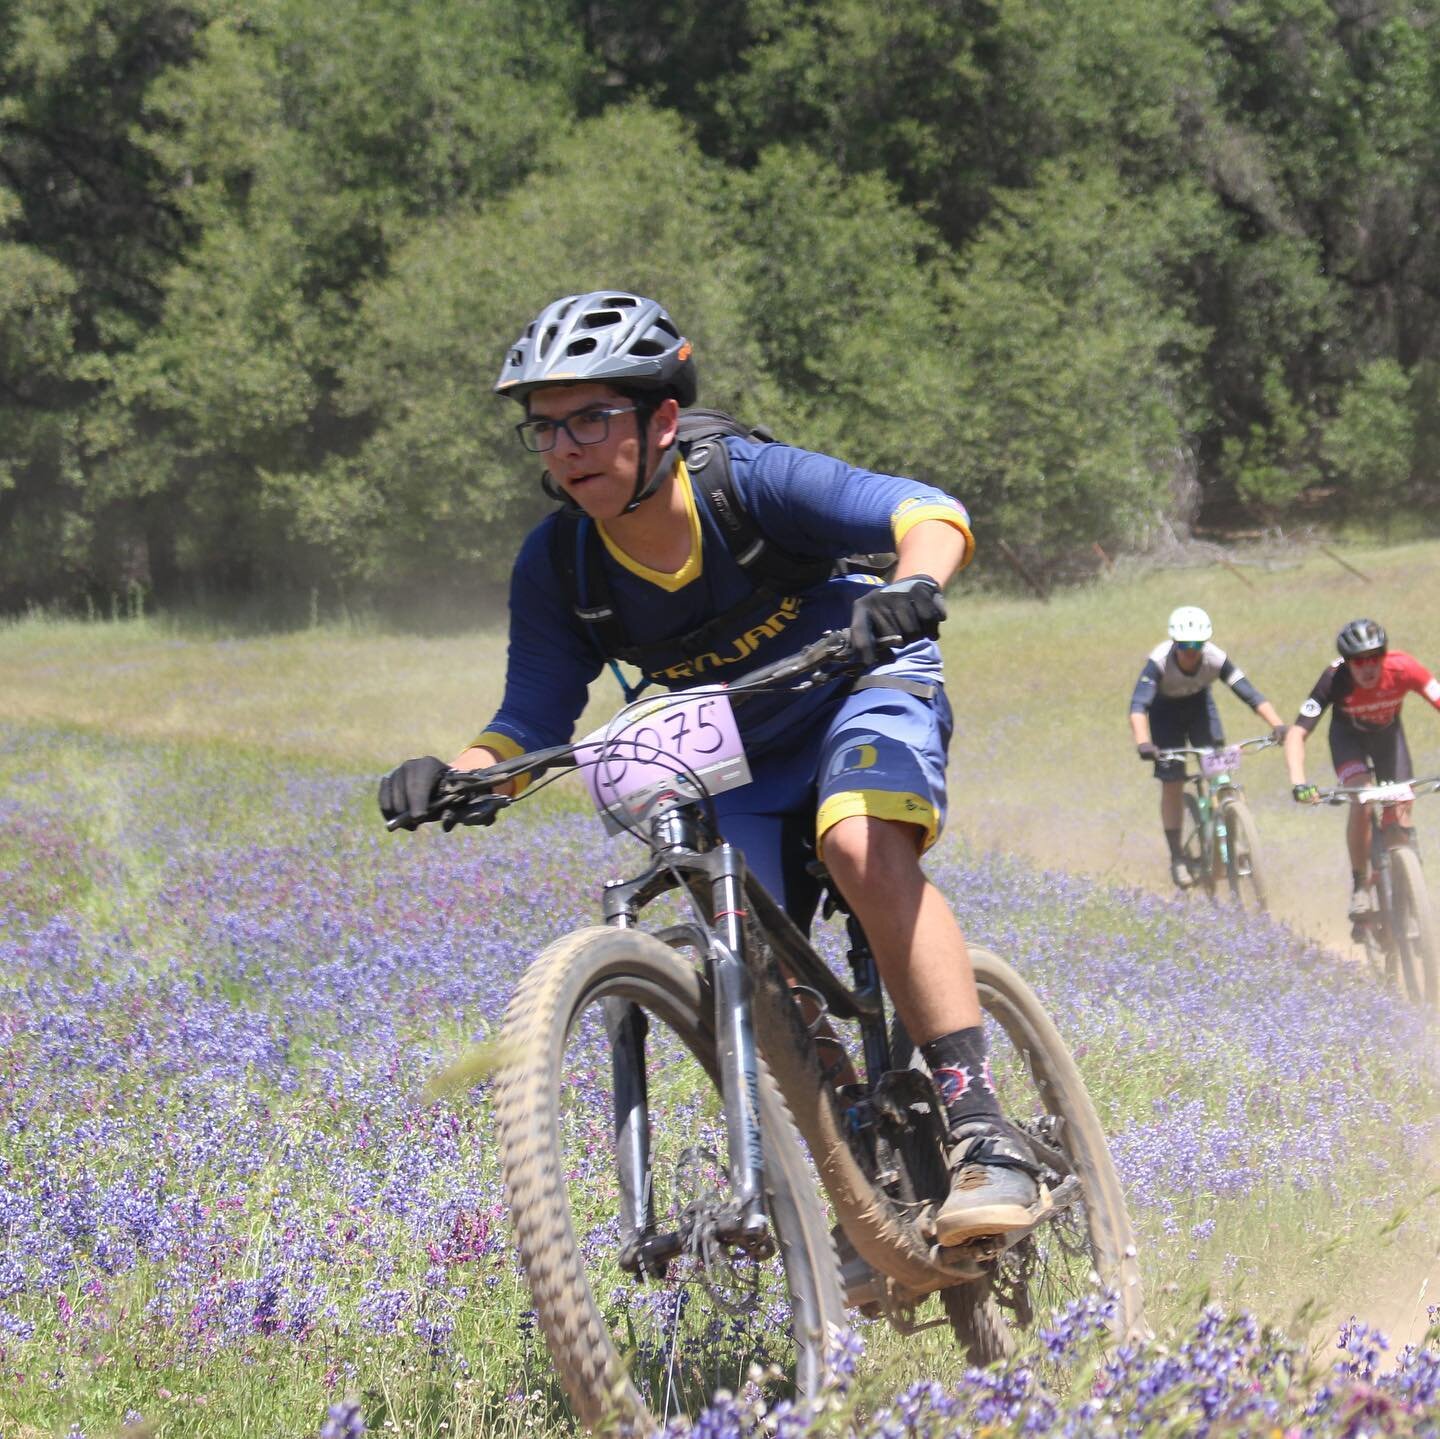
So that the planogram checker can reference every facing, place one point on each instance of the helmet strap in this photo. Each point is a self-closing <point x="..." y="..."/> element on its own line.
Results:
<point x="556" y="493"/>
<point x="665" y="463"/>
<point x="664" y="468"/>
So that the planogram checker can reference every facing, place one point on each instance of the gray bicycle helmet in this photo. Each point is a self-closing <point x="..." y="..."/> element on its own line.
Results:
<point x="608" y="336"/>
<point x="1361" y="637"/>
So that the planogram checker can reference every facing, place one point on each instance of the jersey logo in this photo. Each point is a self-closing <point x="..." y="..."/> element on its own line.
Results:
<point x="860" y="755"/>
<point x="1310" y="709"/>
<point x="741" y="647"/>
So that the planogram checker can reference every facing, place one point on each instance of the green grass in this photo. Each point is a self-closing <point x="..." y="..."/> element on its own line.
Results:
<point x="1042" y="765"/>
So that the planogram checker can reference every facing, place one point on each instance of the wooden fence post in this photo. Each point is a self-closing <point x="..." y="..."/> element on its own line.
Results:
<point x="1344" y="564"/>
<point x="1018" y="566"/>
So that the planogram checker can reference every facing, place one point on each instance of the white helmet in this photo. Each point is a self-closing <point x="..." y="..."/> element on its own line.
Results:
<point x="1190" y="623"/>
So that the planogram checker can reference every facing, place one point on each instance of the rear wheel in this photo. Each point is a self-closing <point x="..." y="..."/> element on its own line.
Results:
<point x="635" y="1351"/>
<point x="1242" y="869"/>
<point x="1089" y="1237"/>
<point x="1042" y="1092"/>
<point x="1412" y="925"/>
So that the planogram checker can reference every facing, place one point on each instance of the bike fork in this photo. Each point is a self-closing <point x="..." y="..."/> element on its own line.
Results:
<point x="738" y="1054"/>
<point x="626" y="1025"/>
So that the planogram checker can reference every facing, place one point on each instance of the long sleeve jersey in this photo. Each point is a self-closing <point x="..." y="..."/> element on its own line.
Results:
<point x="803" y="502"/>
<point x="1162" y="678"/>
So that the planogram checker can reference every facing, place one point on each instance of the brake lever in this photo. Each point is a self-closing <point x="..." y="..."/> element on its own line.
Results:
<point x="483" y="810"/>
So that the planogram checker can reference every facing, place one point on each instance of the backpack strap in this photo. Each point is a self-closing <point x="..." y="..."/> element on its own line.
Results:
<point x="768" y="567"/>
<point x="578" y="553"/>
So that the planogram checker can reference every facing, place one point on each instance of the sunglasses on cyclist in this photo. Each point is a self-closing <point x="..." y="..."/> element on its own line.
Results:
<point x="1370" y="659"/>
<point x="588" y="426"/>
<point x="1191" y="647"/>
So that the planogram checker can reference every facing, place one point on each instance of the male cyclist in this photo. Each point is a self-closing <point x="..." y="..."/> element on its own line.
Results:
<point x="1366" y="684"/>
<point x="1172" y="706"/>
<point x="856" y="769"/>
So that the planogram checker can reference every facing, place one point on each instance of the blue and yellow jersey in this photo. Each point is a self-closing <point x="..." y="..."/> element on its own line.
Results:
<point x="804" y="503"/>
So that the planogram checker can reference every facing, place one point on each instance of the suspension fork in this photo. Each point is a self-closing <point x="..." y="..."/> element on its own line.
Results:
<point x="738" y="1054"/>
<point x="627" y="1026"/>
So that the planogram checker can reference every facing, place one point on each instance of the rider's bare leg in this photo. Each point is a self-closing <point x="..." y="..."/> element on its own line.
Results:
<point x="922" y="958"/>
<point x="1357" y="841"/>
<point x="1172" y="804"/>
<point x="918" y="944"/>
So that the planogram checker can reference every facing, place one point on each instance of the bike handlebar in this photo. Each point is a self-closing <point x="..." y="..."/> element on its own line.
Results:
<point x="1249" y="746"/>
<point x="1388" y="792"/>
<point x="466" y="796"/>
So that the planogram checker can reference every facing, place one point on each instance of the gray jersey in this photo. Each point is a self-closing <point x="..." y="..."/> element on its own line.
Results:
<point x="1162" y="677"/>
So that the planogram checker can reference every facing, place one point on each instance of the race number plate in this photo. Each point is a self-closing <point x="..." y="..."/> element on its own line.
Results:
<point x="662" y="746"/>
<point x="1396" y="793"/>
<point x="1221" y="761"/>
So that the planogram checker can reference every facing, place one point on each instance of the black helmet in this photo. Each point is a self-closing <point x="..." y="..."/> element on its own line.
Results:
<point x="608" y="336"/>
<point x="1361" y="637"/>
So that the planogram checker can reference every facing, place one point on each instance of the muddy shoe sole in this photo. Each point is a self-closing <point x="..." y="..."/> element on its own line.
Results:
<point x="988" y="1221"/>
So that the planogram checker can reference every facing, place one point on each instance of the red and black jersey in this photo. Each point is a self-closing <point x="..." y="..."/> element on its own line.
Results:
<point x="1376" y="706"/>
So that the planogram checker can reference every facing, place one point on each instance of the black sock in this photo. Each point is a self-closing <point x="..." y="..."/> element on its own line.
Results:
<point x="1357" y="881"/>
<point x="961" y="1070"/>
<point x="1172" y="838"/>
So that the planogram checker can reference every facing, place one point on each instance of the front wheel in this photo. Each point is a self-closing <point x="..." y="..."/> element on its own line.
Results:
<point x="632" y="1351"/>
<point x="1242" y="865"/>
<point x="1412" y="925"/>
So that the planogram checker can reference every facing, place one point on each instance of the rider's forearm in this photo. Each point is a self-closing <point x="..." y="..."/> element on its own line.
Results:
<point x="477" y="756"/>
<point x="1295" y="753"/>
<point x="932" y="548"/>
<point x="1269" y="714"/>
<point x="1140" y="726"/>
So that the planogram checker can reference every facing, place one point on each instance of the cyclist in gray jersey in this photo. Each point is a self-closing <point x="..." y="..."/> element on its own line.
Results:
<point x="1172" y="705"/>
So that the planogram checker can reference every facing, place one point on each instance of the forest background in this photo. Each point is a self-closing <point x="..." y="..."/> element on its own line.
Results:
<point x="1103" y="268"/>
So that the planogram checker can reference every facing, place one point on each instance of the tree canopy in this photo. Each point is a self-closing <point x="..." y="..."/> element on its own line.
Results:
<point x="1097" y="266"/>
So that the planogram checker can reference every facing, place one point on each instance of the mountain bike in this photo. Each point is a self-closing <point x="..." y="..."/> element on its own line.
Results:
<point x="1399" y="934"/>
<point x="1219" y="840"/>
<point x="655" y="1074"/>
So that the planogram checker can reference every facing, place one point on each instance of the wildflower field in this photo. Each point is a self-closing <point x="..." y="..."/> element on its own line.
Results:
<point x="229" y="1208"/>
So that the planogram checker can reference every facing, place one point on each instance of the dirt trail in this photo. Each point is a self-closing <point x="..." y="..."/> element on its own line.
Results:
<point x="1306" y="889"/>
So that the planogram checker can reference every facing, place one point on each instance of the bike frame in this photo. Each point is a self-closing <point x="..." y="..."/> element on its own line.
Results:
<point x="689" y="854"/>
<point x="1382" y="841"/>
<point x="1211" y="793"/>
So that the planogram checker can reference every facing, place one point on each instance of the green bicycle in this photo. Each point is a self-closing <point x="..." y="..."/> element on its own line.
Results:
<point x="1219" y="839"/>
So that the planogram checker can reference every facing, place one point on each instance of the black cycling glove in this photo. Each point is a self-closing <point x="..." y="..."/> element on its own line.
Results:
<point x="1279" y="732"/>
<point x="408" y="791"/>
<point x="895" y="614"/>
<point x="1146" y="750"/>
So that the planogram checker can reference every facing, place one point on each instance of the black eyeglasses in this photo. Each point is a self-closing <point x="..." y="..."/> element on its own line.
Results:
<point x="588" y="426"/>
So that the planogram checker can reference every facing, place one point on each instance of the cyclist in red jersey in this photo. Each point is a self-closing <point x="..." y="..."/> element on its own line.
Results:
<point x="1366" y="685"/>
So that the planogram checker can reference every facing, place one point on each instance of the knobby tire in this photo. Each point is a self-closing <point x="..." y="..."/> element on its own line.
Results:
<point x="592" y="1338"/>
<point x="1412" y="923"/>
<point x="1101" y="1228"/>
<point x="1247" y="884"/>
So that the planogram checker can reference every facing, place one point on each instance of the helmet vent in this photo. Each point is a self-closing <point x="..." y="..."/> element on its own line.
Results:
<point x="646" y="347"/>
<point x="601" y="319"/>
<point x="583" y="346"/>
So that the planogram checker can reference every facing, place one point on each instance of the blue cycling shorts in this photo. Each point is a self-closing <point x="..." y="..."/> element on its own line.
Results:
<point x="1193" y="720"/>
<point x="880" y="752"/>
